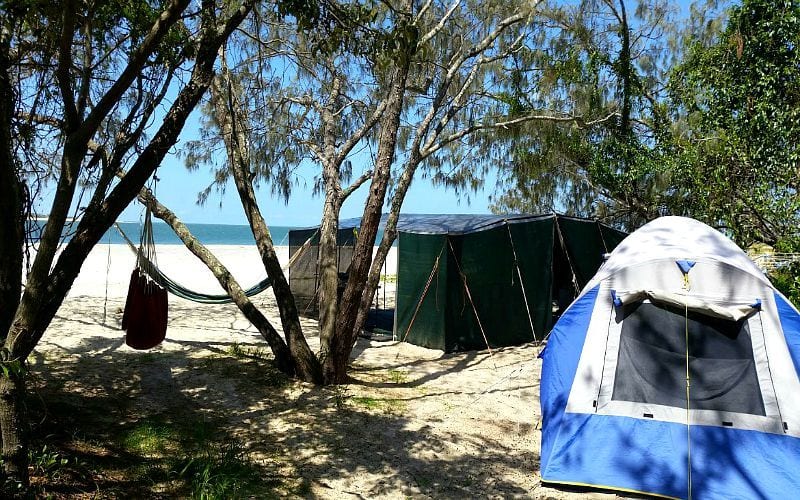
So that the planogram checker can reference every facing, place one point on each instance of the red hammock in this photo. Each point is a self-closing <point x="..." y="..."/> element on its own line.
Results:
<point x="145" y="316"/>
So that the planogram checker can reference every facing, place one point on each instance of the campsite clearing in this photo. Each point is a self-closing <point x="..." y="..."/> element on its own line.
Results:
<point x="205" y="411"/>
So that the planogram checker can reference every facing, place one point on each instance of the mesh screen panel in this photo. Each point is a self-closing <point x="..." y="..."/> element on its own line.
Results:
<point x="652" y="361"/>
<point x="304" y="273"/>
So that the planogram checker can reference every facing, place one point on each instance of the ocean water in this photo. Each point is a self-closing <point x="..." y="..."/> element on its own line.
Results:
<point x="208" y="234"/>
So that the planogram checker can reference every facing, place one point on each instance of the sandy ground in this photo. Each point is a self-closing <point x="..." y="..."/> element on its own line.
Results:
<point x="414" y="423"/>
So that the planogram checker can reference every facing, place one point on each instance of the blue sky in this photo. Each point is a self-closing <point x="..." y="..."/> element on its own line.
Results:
<point x="179" y="187"/>
<point x="178" y="190"/>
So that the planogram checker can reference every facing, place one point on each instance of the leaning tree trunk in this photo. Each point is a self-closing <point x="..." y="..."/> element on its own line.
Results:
<point x="389" y="235"/>
<point x="12" y="387"/>
<point x="283" y="357"/>
<point x="229" y="114"/>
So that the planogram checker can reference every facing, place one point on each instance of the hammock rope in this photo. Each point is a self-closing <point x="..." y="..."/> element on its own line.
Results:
<point x="146" y="314"/>
<point x="175" y="288"/>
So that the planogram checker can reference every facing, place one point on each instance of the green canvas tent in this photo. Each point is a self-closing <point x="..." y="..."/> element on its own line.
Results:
<point x="468" y="281"/>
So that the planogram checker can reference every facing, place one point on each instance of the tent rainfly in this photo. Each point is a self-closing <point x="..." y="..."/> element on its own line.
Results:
<point x="471" y="281"/>
<point x="675" y="373"/>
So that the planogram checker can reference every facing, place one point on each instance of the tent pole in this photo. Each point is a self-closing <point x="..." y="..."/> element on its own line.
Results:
<point x="434" y="270"/>
<point x="521" y="282"/>
<point x="469" y="296"/>
<point x="386" y="281"/>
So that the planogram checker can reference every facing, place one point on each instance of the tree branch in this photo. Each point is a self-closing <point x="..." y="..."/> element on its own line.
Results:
<point x="162" y="25"/>
<point x="64" y="66"/>
<point x="346" y="192"/>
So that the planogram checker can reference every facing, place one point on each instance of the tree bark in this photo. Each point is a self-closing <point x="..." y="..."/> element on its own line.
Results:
<point x="335" y="364"/>
<point x="11" y="202"/>
<point x="328" y="299"/>
<point x="626" y="71"/>
<point x="13" y="428"/>
<point x="307" y="366"/>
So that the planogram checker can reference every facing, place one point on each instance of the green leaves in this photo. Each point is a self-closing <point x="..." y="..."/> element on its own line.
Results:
<point x="594" y="63"/>
<point x="12" y="369"/>
<point x="741" y="103"/>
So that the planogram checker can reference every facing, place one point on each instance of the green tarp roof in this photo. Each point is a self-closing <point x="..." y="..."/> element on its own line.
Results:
<point x="451" y="223"/>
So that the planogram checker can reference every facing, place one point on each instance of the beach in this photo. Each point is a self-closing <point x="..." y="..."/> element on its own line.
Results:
<point x="109" y="267"/>
<point x="414" y="422"/>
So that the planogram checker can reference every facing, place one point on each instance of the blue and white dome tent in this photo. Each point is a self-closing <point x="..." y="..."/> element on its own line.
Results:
<point x="675" y="373"/>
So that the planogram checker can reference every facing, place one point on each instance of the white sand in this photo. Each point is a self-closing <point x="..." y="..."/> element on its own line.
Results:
<point x="111" y="265"/>
<point x="415" y="423"/>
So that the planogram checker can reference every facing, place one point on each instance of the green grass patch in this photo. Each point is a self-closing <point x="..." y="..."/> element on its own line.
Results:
<point x="190" y="456"/>
<point x="146" y="357"/>
<point x="47" y="462"/>
<point x="246" y="352"/>
<point x="149" y="438"/>
<point x="386" y="405"/>
<point x="222" y="470"/>
<point x="398" y="376"/>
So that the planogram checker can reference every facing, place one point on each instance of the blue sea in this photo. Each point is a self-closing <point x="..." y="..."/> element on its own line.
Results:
<point x="208" y="234"/>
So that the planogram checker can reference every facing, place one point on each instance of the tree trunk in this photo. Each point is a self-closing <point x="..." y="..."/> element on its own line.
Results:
<point x="228" y="114"/>
<point x="389" y="236"/>
<point x="626" y="73"/>
<point x="283" y="357"/>
<point x="335" y="365"/>
<point x="11" y="203"/>
<point x="328" y="299"/>
<point x="13" y="429"/>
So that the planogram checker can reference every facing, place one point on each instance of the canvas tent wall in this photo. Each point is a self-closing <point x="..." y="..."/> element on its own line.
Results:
<point x="470" y="280"/>
<point x="304" y="272"/>
<point x="675" y="373"/>
<point x="550" y="256"/>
